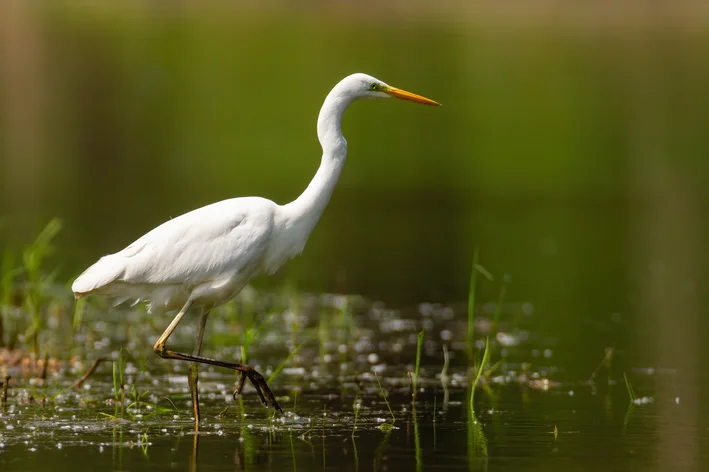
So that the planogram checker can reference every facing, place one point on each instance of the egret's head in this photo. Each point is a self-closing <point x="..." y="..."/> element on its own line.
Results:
<point x="366" y="86"/>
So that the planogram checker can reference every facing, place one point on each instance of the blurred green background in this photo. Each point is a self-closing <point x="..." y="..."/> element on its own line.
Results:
<point x="571" y="147"/>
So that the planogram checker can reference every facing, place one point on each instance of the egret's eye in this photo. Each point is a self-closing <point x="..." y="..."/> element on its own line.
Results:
<point x="373" y="86"/>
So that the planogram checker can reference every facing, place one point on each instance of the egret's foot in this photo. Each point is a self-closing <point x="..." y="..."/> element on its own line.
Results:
<point x="259" y="383"/>
<point x="193" y="381"/>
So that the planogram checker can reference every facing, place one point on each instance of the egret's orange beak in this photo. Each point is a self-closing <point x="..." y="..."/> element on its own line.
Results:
<point x="404" y="95"/>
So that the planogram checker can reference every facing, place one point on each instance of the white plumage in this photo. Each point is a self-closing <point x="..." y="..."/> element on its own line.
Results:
<point x="208" y="254"/>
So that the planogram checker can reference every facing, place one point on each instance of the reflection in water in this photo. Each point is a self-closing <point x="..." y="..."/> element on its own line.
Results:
<point x="445" y="379"/>
<point x="195" y="450"/>
<point x="324" y="450"/>
<point x="628" y="417"/>
<point x="418" y="454"/>
<point x="117" y="449"/>
<point x="381" y="449"/>
<point x="477" y="444"/>
<point x="356" y="454"/>
<point x="292" y="450"/>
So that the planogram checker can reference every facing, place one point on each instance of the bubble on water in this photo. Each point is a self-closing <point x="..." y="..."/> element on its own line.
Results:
<point x="447" y="313"/>
<point x="547" y="353"/>
<point x="59" y="445"/>
<point x="571" y="393"/>
<point x="677" y="400"/>
<point x="380" y="368"/>
<point x="9" y="427"/>
<point x="373" y="358"/>
<point x="426" y="309"/>
<point x="507" y="339"/>
<point x="295" y="371"/>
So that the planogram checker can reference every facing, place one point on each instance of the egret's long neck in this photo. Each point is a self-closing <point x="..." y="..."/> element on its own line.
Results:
<point x="306" y="210"/>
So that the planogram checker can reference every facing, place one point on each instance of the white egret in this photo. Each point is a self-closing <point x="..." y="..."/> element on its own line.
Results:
<point x="205" y="257"/>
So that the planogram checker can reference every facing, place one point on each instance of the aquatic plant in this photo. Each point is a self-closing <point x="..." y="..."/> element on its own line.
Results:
<point x="385" y="426"/>
<point x="629" y="388"/>
<point x="470" y="339"/>
<point x="285" y="362"/>
<point x="415" y="377"/>
<point x="7" y="278"/>
<point x="33" y="257"/>
<point x="119" y="368"/>
<point x="3" y="394"/>
<point x="33" y="279"/>
<point x="249" y="337"/>
<point x="355" y="406"/>
<point x="478" y="374"/>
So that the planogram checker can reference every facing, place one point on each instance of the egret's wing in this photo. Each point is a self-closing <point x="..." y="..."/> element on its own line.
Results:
<point x="202" y="245"/>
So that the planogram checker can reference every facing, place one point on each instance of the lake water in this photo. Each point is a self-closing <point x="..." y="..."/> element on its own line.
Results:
<point x="571" y="149"/>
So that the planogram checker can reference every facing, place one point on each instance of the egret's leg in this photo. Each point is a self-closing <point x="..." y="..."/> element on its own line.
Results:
<point x="193" y="378"/>
<point x="256" y="379"/>
<point x="159" y="345"/>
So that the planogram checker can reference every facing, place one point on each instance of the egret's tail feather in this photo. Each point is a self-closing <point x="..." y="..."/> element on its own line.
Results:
<point x="120" y="300"/>
<point x="126" y="298"/>
<point x="108" y="269"/>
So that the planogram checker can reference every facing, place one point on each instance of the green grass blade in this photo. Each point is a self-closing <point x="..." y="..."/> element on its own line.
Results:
<point x="481" y="367"/>
<point x="283" y="364"/>
<point x="629" y="387"/>
<point x="415" y="380"/>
